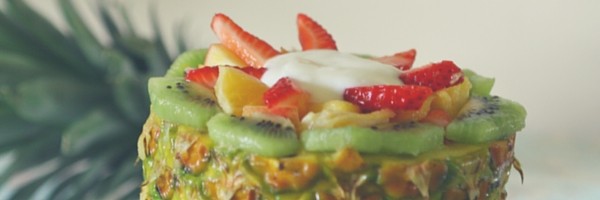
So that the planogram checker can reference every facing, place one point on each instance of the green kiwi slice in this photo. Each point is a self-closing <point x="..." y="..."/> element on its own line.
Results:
<point x="485" y="119"/>
<point x="363" y="139"/>
<point x="411" y="138"/>
<point x="188" y="59"/>
<point x="178" y="101"/>
<point x="397" y="138"/>
<point x="258" y="136"/>
<point x="481" y="86"/>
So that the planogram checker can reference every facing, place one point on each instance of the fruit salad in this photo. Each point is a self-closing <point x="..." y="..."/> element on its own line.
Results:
<point x="243" y="120"/>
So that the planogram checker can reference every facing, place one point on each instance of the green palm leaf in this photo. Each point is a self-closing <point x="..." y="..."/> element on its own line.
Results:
<point x="71" y="107"/>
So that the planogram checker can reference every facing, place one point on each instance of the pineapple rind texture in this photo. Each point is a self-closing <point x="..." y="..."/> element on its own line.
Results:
<point x="458" y="171"/>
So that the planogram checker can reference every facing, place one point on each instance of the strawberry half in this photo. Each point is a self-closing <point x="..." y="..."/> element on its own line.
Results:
<point x="403" y="60"/>
<point x="286" y="93"/>
<point x="435" y="75"/>
<point x="312" y="35"/>
<point x="248" y="47"/>
<point x="207" y="76"/>
<point x="395" y="97"/>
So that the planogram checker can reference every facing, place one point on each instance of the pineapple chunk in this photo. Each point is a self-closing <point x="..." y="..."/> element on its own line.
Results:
<point x="333" y="118"/>
<point x="235" y="89"/>
<point x="219" y="55"/>
<point x="341" y="105"/>
<point x="452" y="99"/>
<point x="414" y="115"/>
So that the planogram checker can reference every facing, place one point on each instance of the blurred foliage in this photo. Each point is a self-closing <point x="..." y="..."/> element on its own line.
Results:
<point x="71" y="107"/>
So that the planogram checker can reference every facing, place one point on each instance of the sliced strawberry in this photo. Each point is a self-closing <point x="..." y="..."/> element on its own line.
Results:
<point x="256" y="72"/>
<point x="207" y="76"/>
<point x="286" y="93"/>
<point x="248" y="47"/>
<point x="395" y="97"/>
<point x="312" y="35"/>
<point x="403" y="60"/>
<point x="435" y="75"/>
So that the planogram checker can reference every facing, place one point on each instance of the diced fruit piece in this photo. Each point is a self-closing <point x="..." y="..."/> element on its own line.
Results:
<point x="482" y="86"/>
<point x="251" y="49"/>
<point x="403" y="60"/>
<point x="453" y="98"/>
<point x="435" y="75"/>
<point x="187" y="60"/>
<point x="438" y="117"/>
<point x="414" y="115"/>
<point x="235" y="89"/>
<point x="312" y="35"/>
<point x="285" y="93"/>
<point x="290" y="113"/>
<point x="218" y="54"/>
<point x="207" y="76"/>
<point x="396" y="138"/>
<point x="178" y="101"/>
<point x="395" y="97"/>
<point x="485" y="119"/>
<point x="340" y="105"/>
<point x="347" y="160"/>
<point x="261" y="137"/>
<point x="287" y="174"/>
<point x="333" y="119"/>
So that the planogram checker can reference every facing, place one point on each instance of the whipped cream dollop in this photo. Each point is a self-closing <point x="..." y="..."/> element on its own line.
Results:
<point x="325" y="74"/>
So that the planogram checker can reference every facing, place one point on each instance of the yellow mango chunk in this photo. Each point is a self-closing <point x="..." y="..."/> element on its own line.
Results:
<point x="235" y="89"/>
<point x="452" y="99"/>
<point x="218" y="55"/>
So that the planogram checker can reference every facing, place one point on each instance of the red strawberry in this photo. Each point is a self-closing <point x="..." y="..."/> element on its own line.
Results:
<point x="395" y="97"/>
<point x="435" y="75"/>
<point x="256" y="72"/>
<point x="287" y="94"/>
<point x="403" y="60"/>
<point x="207" y="76"/>
<point x="248" y="47"/>
<point x="312" y="35"/>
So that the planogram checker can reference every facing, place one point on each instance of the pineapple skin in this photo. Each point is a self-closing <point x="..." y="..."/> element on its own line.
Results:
<point x="182" y="163"/>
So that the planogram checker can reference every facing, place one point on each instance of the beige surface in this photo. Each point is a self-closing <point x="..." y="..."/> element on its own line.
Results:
<point x="544" y="54"/>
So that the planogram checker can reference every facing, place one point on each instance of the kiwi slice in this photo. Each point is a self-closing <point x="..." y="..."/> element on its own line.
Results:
<point x="484" y="119"/>
<point x="397" y="138"/>
<point x="411" y="138"/>
<point x="258" y="136"/>
<point x="481" y="86"/>
<point x="363" y="139"/>
<point x="188" y="59"/>
<point x="178" y="101"/>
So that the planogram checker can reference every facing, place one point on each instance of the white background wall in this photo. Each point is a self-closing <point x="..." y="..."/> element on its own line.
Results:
<point x="544" y="54"/>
